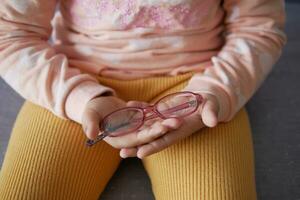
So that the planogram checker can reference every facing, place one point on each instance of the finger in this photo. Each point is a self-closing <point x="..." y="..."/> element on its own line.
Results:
<point x="148" y="123"/>
<point x="210" y="114"/>
<point x="90" y="123"/>
<point x="140" y="137"/>
<point x="154" y="131"/>
<point x="159" y="144"/>
<point x="137" y="103"/>
<point x="172" y="123"/>
<point x="153" y="147"/>
<point x="171" y="137"/>
<point x="128" y="152"/>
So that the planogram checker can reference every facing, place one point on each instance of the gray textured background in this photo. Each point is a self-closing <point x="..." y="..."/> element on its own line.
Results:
<point x="275" y="118"/>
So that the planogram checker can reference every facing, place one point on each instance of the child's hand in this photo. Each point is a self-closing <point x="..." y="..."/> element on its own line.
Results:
<point x="98" y="107"/>
<point x="95" y="110"/>
<point x="208" y="112"/>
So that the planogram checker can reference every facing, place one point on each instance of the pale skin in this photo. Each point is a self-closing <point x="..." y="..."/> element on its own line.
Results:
<point x="155" y="135"/>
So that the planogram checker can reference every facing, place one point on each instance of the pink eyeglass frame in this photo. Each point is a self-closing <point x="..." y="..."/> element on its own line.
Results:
<point x="151" y="108"/>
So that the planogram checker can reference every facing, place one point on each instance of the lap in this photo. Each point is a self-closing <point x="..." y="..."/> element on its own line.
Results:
<point x="214" y="163"/>
<point x="47" y="155"/>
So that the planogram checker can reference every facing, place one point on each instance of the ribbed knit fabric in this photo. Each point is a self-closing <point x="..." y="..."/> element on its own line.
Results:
<point x="47" y="158"/>
<point x="213" y="164"/>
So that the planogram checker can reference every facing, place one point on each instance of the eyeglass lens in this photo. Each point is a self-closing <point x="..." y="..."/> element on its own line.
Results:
<point x="122" y="122"/>
<point x="177" y="105"/>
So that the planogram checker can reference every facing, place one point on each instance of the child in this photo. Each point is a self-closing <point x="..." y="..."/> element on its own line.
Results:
<point x="110" y="54"/>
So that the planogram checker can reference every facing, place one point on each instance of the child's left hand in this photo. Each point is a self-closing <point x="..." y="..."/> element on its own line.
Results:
<point x="177" y="129"/>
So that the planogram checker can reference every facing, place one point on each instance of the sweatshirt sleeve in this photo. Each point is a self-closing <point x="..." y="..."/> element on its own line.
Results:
<point x="254" y="39"/>
<point x="31" y="66"/>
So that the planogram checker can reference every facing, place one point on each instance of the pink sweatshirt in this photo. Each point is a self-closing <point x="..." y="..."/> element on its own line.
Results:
<point x="232" y="46"/>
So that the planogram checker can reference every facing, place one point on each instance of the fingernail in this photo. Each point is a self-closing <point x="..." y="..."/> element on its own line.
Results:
<point x="139" y="156"/>
<point x="122" y="155"/>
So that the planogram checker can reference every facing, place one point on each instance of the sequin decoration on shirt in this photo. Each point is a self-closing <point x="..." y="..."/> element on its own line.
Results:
<point x="127" y="14"/>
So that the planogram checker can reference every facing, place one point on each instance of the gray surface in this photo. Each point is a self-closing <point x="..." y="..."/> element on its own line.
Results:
<point x="275" y="118"/>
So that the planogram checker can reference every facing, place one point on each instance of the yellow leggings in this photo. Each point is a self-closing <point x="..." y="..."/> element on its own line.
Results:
<point x="47" y="157"/>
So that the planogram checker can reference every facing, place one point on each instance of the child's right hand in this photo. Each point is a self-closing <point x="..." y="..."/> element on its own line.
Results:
<point x="95" y="110"/>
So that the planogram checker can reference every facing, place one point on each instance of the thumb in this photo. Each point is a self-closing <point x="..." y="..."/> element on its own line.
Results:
<point x="90" y="123"/>
<point x="137" y="103"/>
<point x="210" y="111"/>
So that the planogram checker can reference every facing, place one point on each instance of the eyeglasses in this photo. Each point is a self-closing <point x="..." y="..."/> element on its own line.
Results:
<point x="129" y="119"/>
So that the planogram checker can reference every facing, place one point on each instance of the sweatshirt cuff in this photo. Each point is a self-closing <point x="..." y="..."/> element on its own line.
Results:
<point x="81" y="95"/>
<point x="200" y="83"/>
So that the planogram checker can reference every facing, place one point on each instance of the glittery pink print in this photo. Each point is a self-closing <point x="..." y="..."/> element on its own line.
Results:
<point x="126" y="14"/>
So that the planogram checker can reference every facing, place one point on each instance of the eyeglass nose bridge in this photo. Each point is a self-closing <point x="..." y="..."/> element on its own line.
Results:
<point x="150" y="112"/>
<point x="149" y="109"/>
